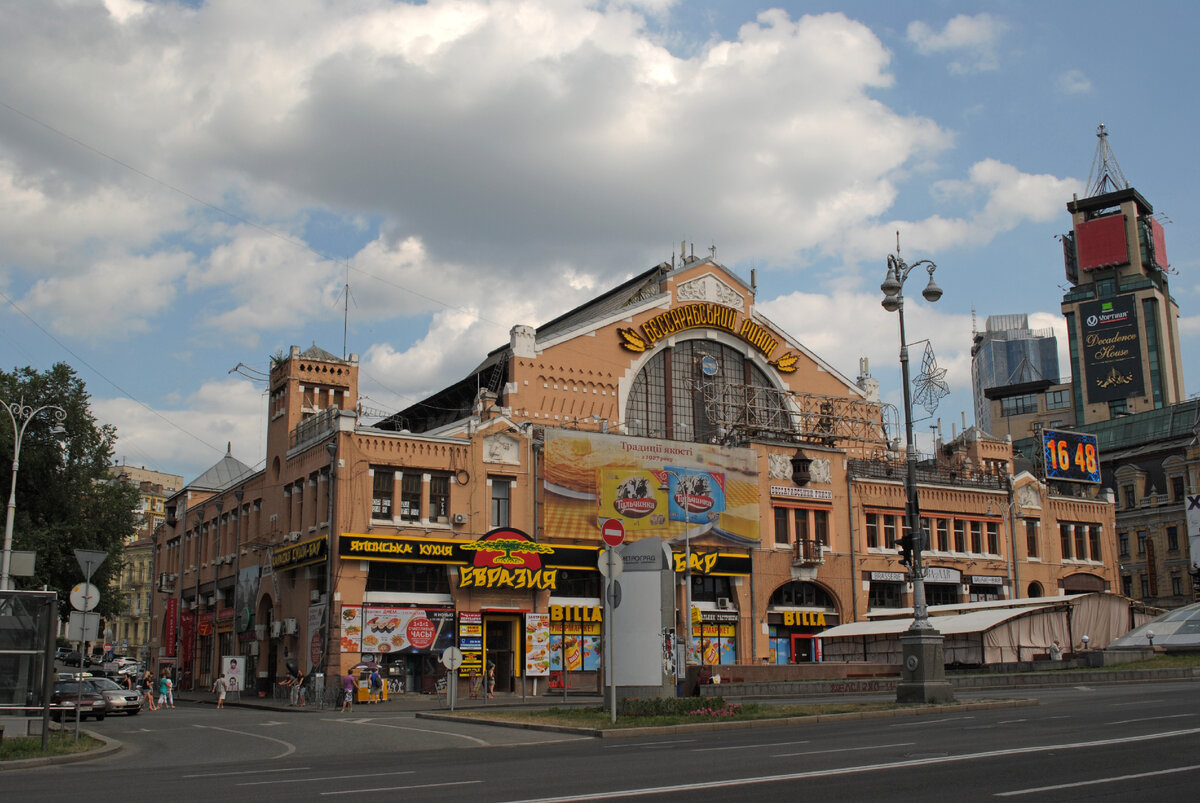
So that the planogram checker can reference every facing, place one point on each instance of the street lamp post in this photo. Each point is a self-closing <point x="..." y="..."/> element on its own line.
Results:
<point x="923" y="675"/>
<point x="21" y="414"/>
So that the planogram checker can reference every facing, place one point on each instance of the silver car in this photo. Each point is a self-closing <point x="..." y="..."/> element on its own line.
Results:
<point x="116" y="699"/>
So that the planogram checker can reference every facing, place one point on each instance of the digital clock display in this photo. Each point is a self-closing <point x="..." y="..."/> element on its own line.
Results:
<point x="1071" y="456"/>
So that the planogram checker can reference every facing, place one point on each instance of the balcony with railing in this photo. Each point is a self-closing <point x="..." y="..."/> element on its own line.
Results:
<point x="807" y="552"/>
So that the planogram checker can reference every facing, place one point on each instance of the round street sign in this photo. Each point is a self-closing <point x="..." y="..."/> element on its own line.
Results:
<point x="618" y="565"/>
<point x="613" y="532"/>
<point x="85" y="597"/>
<point x="452" y="657"/>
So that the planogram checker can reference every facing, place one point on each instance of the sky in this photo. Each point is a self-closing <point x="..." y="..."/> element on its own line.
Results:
<point x="190" y="187"/>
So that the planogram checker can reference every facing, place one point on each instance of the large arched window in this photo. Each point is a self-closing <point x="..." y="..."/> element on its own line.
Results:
<point x="801" y="594"/>
<point x="667" y="396"/>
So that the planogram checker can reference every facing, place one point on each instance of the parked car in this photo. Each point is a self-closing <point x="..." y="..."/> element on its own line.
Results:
<point x="61" y="652"/>
<point x="117" y="700"/>
<point x="76" y="698"/>
<point x="74" y="658"/>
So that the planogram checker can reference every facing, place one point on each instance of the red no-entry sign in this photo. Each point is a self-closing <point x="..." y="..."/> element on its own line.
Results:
<point x="613" y="532"/>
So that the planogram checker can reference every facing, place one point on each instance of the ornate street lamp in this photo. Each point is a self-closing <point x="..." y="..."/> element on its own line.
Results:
<point x="21" y="414"/>
<point x="923" y="676"/>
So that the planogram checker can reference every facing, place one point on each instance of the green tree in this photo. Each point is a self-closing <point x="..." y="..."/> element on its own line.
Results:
<point x="65" y="500"/>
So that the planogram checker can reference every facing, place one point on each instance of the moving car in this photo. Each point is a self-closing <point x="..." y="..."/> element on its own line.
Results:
<point x="76" y="698"/>
<point x="74" y="658"/>
<point x="117" y="700"/>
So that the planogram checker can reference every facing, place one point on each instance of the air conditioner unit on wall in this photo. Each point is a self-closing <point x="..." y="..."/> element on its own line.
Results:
<point x="314" y="596"/>
<point x="260" y="631"/>
<point x="289" y="626"/>
<point x="460" y="518"/>
<point x="724" y="603"/>
<point x="276" y="629"/>
<point x="251" y="648"/>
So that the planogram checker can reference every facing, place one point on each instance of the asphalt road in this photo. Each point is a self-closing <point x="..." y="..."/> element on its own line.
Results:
<point x="1101" y="743"/>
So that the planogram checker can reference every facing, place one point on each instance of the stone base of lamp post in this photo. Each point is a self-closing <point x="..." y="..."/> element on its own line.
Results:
<point x="923" y="673"/>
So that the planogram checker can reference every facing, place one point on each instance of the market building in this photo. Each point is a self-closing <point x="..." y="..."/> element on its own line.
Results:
<point x="668" y="404"/>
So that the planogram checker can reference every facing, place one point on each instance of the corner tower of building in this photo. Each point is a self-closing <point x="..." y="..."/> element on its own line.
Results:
<point x="1122" y="323"/>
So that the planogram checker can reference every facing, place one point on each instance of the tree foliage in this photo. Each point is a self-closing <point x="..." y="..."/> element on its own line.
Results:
<point x="64" y="498"/>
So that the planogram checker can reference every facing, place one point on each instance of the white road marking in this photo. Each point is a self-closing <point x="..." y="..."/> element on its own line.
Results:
<point x="799" y="776"/>
<point x="243" y="772"/>
<point x="842" y="750"/>
<point x="326" y="778"/>
<point x="1150" y="719"/>
<point x="929" y="722"/>
<point x="291" y="748"/>
<point x="649" y="744"/>
<point x="400" y="788"/>
<point x="479" y="742"/>
<point x="1113" y="779"/>
<point x="747" y="746"/>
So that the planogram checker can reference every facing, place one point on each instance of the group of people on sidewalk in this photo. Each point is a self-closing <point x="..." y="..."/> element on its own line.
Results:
<point x="148" y="684"/>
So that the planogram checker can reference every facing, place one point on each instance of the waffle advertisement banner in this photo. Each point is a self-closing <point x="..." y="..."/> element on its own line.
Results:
<point x="677" y="491"/>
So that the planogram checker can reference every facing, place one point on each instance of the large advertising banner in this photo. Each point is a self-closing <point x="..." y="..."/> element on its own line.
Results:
<point x="1112" y="356"/>
<point x="383" y="629"/>
<point x="233" y="667"/>
<point x="666" y="489"/>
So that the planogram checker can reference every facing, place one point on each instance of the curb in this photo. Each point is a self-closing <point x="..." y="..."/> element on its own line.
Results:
<point x="110" y="747"/>
<point x="665" y="730"/>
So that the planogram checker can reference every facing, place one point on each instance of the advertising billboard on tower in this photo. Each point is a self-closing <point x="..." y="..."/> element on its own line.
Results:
<point x="1112" y="354"/>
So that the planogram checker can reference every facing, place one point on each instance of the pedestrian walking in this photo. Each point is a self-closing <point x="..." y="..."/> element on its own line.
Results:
<point x="376" y="687"/>
<point x="146" y="686"/>
<point x="348" y="691"/>
<point x="162" y="690"/>
<point x="170" y="689"/>
<point x="221" y="686"/>
<point x="304" y="684"/>
<point x="491" y="680"/>
<point x="295" y="678"/>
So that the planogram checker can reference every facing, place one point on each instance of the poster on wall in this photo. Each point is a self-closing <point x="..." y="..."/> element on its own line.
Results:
<point x="470" y="641"/>
<point x="1112" y="354"/>
<point x="382" y="629"/>
<point x="1193" y="528"/>
<point x="537" y="644"/>
<point x="316" y="636"/>
<point x="664" y="489"/>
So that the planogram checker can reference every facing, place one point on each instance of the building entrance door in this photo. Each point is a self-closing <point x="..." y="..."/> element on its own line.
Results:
<point x="499" y="636"/>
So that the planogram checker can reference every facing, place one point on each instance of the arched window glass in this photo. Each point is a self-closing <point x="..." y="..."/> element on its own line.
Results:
<point x="667" y="398"/>
<point x="801" y="594"/>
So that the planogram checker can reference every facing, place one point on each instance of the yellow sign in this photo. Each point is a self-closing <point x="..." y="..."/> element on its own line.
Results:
<point x="803" y="619"/>
<point x="576" y="613"/>
<point x="711" y="316"/>
<point x="501" y="577"/>
<point x="695" y="615"/>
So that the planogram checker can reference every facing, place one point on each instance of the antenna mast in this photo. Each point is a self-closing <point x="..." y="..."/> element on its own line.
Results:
<point x="1105" y="175"/>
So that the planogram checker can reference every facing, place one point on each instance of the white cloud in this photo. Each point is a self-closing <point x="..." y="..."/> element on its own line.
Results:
<point x="972" y="38"/>
<point x="1074" y="82"/>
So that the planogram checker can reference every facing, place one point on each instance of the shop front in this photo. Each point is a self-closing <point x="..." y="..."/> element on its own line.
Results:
<point x="495" y="586"/>
<point x="942" y="585"/>
<point x="795" y="636"/>
<point x="982" y="588"/>
<point x="714" y="577"/>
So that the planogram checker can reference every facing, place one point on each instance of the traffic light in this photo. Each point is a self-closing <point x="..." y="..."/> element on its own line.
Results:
<point x="905" y="544"/>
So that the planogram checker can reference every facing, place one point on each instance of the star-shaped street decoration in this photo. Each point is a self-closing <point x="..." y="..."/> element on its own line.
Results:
<point x="930" y="384"/>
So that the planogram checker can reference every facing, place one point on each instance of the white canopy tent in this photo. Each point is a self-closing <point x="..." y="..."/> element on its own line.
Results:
<point x="997" y="631"/>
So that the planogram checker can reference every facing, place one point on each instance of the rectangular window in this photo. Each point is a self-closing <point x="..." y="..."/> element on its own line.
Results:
<point x="1031" y="537"/>
<point x="381" y="493"/>
<point x="1019" y="405"/>
<point x="993" y="538"/>
<point x="872" y="531"/>
<point x="781" y="526"/>
<point x="885" y="595"/>
<point x="439" y="498"/>
<point x="889" y="532"/>
<point x="1123" y="545"/>
<point x="942" y="529"/>
<point x="1145" y="590"/>
<point x="821" y="526"/>
<point x="501" y="502"/>
<point x="1176" y="585"/>
<point x="1081" y="541"/>
<point x="1172" y="539"/>
<point x="1127" y="585"/>
<point x="801" y="525"/>
<point x="1057" y="399"/>
<point x="1064" y="539"/>
<point x="410" y="496"/>
<point x="1141" y="536"/>
<point x="1128" y="497"/>
<point x="960" y="536"/>
<point x="976" y="536"/>
<point x="1094" y="542"/>
<point x="1177" y="489"/>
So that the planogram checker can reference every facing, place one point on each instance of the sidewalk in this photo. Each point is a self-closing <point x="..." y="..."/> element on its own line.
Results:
<point x="399" y="703"/>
